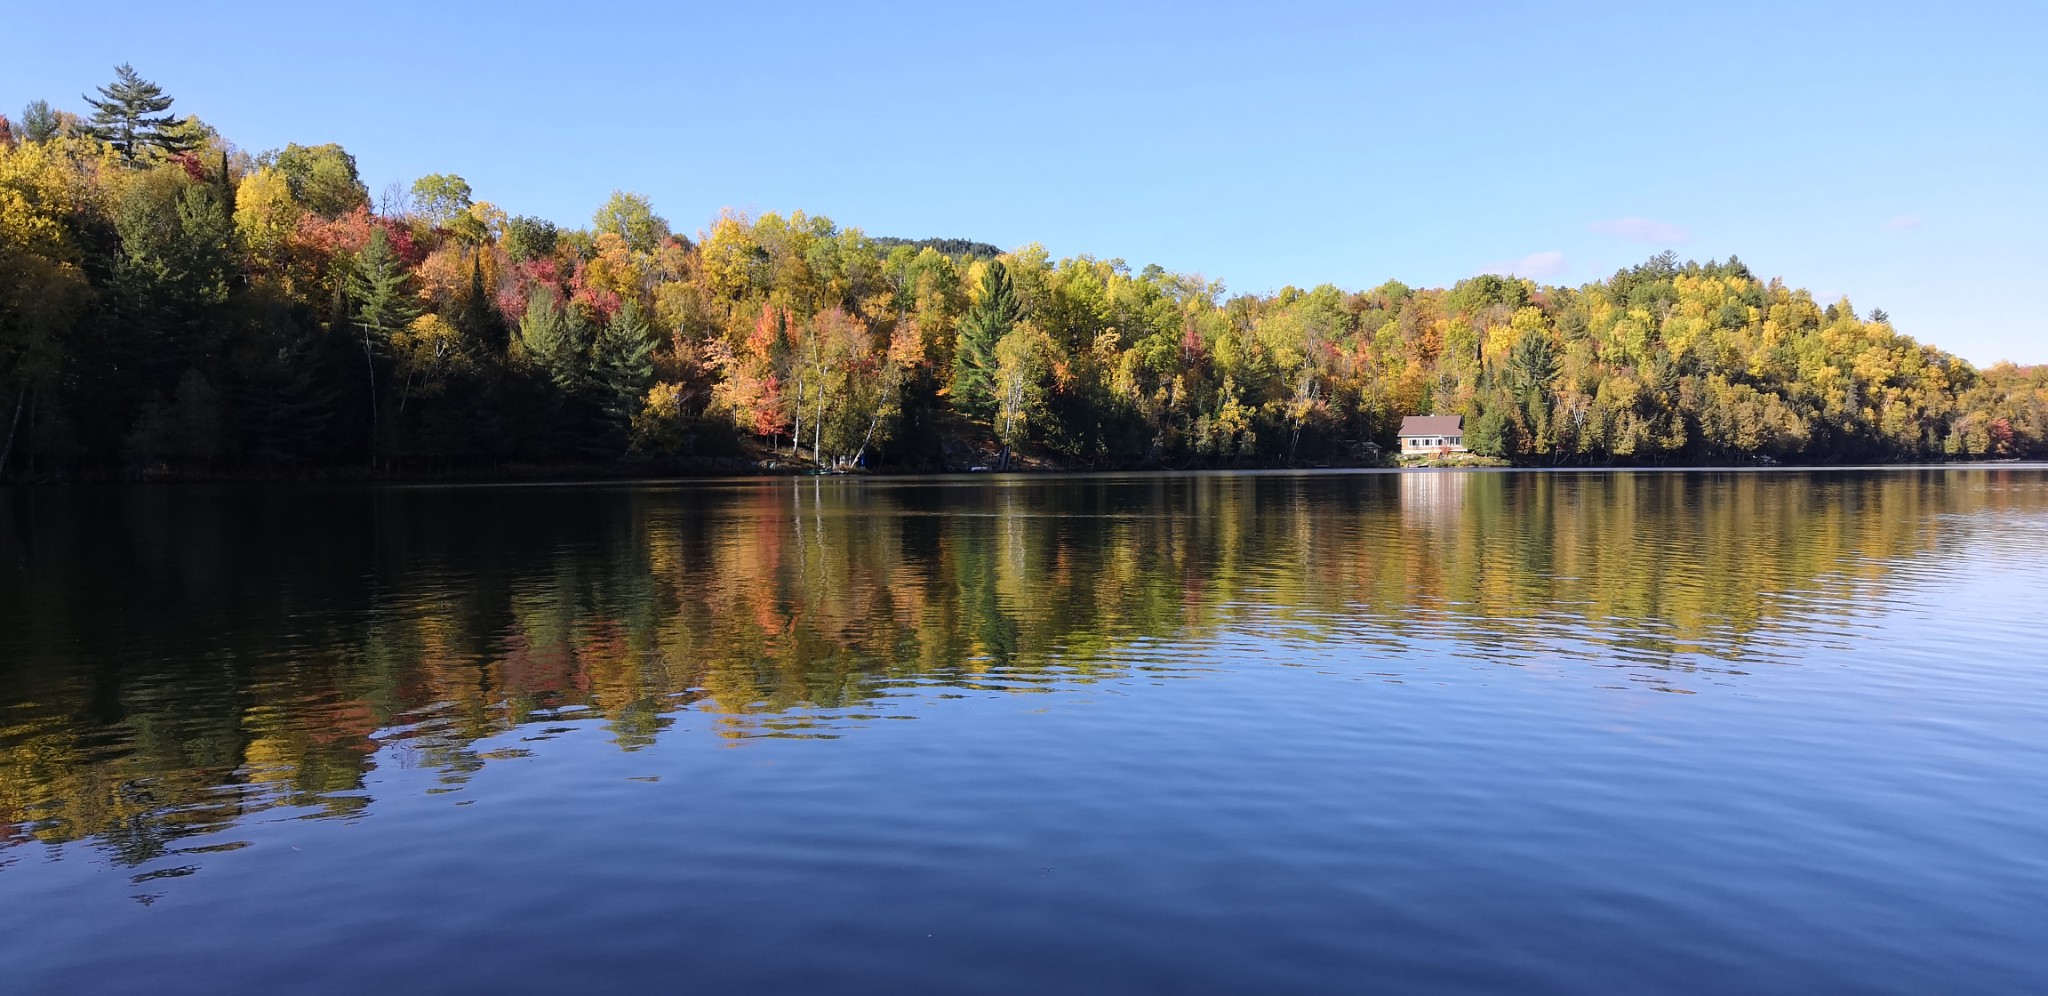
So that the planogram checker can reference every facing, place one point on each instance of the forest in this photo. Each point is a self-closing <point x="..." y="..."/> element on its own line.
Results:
<point x="173" y="306"/>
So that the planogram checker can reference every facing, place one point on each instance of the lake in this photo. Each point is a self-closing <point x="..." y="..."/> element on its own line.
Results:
<point x="1710" y="732"/>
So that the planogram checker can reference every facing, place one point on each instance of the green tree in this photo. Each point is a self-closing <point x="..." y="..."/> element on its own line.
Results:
<point x="440" y="198"/>
<point x="322" y="178"/>
<point x="548" y="337"/>
<point x="383" y="307"/>
<point x="1531" y="368"/>
<point x="975" y="363"/>
<point x="528" y="238"/>
<point x="478" y="318"/>
<point x="1491" y="434"/>
<point x="173" y="274"/>
<point x="287" y="395"/>
<point x="130" y="116"/>
<point x="631" y="217"/>
<point x="38" y="122"/>
<point x="622" y="360"/>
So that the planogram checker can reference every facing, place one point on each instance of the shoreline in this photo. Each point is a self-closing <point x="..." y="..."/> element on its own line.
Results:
<point x="594" y="477"/>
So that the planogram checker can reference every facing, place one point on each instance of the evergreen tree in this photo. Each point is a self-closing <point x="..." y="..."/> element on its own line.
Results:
<point x="1532" y="367"/>
<point x="286" y="400"/>
<point x="547" y="335"/>
<point x="622" y="359"/>
<point x="224" y="187"/>
<point x="382" y="308"/>
<point x="479" y="319"/>
<point x="130" y="117"/>
<point x="173" y="270"/>
<point x="994" y="311"/>
<point x="1491" y="434"/>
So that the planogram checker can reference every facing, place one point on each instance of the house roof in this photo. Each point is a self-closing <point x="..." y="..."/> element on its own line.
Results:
<point x="1433" y="425"/>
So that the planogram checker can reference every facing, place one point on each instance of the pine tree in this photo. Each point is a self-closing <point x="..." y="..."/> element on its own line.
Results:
<point x="478" y="318"/>
<point x="173" y="272"/>
<point x="131" y="116"/>
<point x="623" y="360"/>
<point x="1532" y="367"/>
<point x="994" y="311"/>
<point x="548" y="337"/>
<point x="286" y="393"/>
<point x="382" y="308"/>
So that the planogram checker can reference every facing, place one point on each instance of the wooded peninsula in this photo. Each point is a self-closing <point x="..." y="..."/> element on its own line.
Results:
<point x="174" y="306"/>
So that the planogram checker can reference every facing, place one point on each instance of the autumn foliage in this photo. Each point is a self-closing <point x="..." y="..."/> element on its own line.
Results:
<point x="201" y="309"/>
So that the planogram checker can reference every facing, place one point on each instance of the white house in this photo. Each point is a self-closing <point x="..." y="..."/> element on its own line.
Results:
<point x="1421" y="434"/>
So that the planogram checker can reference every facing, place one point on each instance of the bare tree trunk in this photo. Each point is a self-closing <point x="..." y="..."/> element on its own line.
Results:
<point x="7" y="450"/>
<point x="866" y="438"/>
<point x="796" y="427"/>
<point x="824" y="376"/>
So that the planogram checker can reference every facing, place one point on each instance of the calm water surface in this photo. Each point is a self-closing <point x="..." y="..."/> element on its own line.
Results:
<point x="1679" y="732"/>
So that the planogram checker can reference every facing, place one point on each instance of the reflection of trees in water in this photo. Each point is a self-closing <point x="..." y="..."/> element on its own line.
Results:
<point x="175" y="660"/>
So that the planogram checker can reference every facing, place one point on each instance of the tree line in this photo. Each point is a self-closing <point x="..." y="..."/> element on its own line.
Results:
<point x="170" y="303"/>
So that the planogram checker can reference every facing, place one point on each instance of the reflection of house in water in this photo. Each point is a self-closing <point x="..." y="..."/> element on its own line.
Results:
<point x="1435" y="496"/>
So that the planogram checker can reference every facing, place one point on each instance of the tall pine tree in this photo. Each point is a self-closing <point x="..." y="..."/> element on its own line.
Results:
<point x="478" y="316"/>
<point x="131" y="116"/>
<point x="994" y="311"/>
<point x="623" y="360"/>
<point x="382" y="308"/>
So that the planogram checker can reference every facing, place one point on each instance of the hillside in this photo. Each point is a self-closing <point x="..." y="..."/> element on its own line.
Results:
<point x="170" y="304"/>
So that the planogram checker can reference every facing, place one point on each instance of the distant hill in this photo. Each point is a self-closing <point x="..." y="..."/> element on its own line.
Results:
<point x="947" y="247"/>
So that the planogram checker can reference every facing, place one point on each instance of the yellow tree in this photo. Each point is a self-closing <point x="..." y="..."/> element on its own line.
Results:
<point x="42" y="287"/>
<point x="266" y="217"/>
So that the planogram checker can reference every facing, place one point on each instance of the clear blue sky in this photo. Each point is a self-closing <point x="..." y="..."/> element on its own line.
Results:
<point x="1895" y="153"/>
